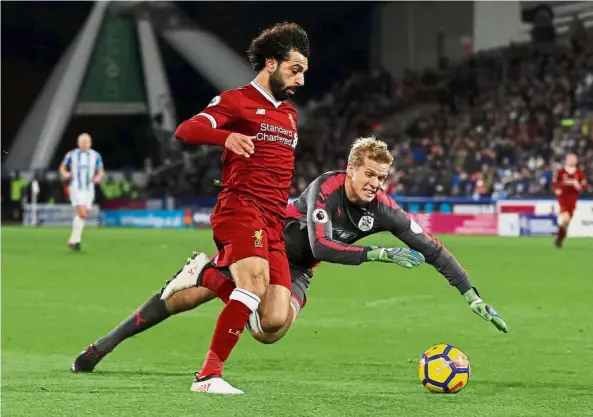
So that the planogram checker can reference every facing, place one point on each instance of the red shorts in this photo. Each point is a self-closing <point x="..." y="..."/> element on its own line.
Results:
<point x="242" y="230"/>
<point x="567" y="205"/>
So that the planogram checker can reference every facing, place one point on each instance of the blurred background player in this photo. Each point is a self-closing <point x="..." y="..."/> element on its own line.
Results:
<point x="83" y="168"/>
<point x="568" y="183"/>
<point x="248" y="219"/>
<point x="334" y="212"/>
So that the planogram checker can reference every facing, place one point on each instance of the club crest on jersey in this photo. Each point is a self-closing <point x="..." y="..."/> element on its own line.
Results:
<point x="366" y="223"/>
<point x="292" y="122"/>
<point x="320" y="216"/>
<point x="259" y="238"/>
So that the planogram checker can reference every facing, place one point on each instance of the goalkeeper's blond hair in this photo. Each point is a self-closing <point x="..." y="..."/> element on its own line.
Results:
<point x="371" y="147"/>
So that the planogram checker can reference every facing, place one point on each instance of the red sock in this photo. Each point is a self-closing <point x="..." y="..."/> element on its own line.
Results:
<point x="229" y="328"/>
<point x="561" y="233"/>
<point x="216" y="282"/>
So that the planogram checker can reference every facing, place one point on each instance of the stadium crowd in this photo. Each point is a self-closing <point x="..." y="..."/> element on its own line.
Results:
<point x="495" y="125"/>
<point x="502" y="125"/>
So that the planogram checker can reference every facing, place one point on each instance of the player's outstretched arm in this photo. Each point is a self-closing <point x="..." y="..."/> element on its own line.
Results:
<point x="408" y="258"/>
<point x="484" y="310"/>
<point x="206" y="128"/>
<point x="401" y="225"/>
<point x="325" y="248"/>
<point x="199" y="131"/>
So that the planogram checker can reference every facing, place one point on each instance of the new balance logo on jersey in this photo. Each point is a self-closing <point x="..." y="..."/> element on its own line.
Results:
<point x="260" y="111"/>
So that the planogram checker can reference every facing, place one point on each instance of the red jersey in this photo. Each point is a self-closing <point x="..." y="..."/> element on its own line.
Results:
<point x="266" y="176"/>
<point x="566" y="179"/>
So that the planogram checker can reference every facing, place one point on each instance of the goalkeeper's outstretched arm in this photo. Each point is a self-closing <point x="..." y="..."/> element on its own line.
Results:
<point x="402" y="226"/>
<point x="325" y="248"/>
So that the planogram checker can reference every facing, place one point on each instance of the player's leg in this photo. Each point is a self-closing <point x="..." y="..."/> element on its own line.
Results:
<point x="84" y="201"/>
<point x="267" y="338"/>
<point x="300" y="285"/>
<point x="222" y="285"/>
<point x="275" y="305"/>
<point x="251" y="279"/>
<point x="152" y="312"/>
<point x="76" y="199"/>
<point x="274" y="308"/>
<point x="564" y="218"/>
<point x="242" y="238"/>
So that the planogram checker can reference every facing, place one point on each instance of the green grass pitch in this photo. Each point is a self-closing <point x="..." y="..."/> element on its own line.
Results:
<point x="353" y="351"/>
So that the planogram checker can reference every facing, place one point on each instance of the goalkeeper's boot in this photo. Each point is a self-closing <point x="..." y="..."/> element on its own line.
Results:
<point x="187" y="277"/>
<point x="88" y="359"/>
<point x="214" y="385"/>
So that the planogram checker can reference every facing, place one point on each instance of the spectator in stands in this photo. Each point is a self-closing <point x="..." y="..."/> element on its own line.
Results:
<point x="497" y="124"/>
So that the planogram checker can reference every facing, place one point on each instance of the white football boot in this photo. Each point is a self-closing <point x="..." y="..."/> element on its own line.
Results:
<point x="214" y="385"/>
<point x="187" y="276"/>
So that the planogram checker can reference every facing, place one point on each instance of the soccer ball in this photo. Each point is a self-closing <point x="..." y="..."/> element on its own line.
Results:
<point x="444" y="369"/>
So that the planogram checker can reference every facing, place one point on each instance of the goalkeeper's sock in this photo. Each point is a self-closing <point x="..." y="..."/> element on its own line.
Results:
<point x="77" y="226"/>
<point x="229" y="327"/>
<point x="218" y="283"/>
<point x="151" y="313"/>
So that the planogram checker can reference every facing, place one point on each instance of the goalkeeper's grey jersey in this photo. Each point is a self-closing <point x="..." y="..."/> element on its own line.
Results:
<point x="322" y="225"/>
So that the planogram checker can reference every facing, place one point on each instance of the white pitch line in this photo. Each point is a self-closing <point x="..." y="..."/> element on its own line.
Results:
<point x="394" y="300"/>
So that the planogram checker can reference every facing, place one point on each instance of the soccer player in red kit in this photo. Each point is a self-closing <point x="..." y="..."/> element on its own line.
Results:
<point x="568" y="183"/>
<point x="335" y="211"/>
<point x="258" y="129"/>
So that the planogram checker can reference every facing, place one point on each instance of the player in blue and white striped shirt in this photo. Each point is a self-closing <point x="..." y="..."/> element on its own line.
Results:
<point x="83" y="167"/>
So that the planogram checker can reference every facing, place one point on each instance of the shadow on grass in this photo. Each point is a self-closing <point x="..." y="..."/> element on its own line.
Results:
<point x="501" y="385"/>
<point x="130" y="373"/>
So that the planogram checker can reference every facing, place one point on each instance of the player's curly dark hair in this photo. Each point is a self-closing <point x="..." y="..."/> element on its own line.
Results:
<point x="277" y="42"/>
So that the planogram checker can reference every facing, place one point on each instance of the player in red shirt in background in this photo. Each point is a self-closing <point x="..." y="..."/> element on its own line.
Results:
<point x="258" y="128"/>
<point x="568" y="183"/>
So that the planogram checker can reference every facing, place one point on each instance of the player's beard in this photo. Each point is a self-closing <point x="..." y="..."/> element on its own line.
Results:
<point x="279" y="89"/>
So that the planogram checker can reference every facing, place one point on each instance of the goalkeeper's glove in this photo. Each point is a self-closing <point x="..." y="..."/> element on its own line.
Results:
<point x="408" y="258"/>
<point x="484" y="310"/>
